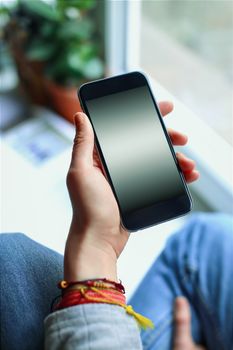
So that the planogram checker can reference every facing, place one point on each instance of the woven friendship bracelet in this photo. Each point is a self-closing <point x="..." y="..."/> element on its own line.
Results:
<point x="98" y="283"/>
<point x="98" y="291"/>
<point x="85" y="296"/>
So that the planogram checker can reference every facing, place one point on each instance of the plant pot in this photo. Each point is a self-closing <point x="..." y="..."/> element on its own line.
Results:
<point x="30" y="71"/>
<point x="63" y="100"/>
<point x="31" y="77"/>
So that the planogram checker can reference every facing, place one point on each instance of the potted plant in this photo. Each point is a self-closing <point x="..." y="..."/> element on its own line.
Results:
<point x="56" y="48"/>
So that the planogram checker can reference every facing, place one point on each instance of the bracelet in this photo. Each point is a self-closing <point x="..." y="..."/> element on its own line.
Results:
<point x="97" y="291"/>
<point x="102" y="283"/>
<point x="77" y="297"/>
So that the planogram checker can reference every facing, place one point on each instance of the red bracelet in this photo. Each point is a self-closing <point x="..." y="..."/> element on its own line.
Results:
<point x="102" y="283"/>
<point x="97" y="291"/>
<point x="78" y="297"/>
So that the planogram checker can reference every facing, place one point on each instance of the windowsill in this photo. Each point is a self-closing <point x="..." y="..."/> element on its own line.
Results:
<point x="35" y="198"/>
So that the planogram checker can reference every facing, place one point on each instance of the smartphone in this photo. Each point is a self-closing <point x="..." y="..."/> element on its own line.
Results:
<point x="135" y="150"/>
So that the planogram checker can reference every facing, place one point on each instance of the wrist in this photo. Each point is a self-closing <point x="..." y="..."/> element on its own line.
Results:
<point x="87" y="258"/>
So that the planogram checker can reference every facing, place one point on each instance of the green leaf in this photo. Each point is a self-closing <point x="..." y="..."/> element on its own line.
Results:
<point x="79" y="4"/>
<point x="4" y="10"/>
<point x="87" y="51"/>
<point x="57" y="70"/>
<point x="80" y="30"/>
<point x="47" y="29"/>
<point x="93" y="69"/>
<point x="40" y="51"/>
<point x="41" y="9"/>
<point x="74" y="61"/>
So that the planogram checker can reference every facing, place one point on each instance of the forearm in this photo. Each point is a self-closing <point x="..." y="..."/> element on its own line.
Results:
<point x="95" y="326"/>
<point x="86" y="258"/>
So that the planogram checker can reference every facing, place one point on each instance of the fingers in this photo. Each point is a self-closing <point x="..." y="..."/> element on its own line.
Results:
<point x="165" y="107"/>
<point x="188" y="167"/>
<point x="185" y="163"/>
<point x="97" y="162"/>
<point x="191" y="176"/>
<point x="182" y="332"/>
<point x="177" y="138"/>
<point x="84" y="141"/>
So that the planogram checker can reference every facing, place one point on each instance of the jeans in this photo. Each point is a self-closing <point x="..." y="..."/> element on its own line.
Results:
<point x="197" y="263"/>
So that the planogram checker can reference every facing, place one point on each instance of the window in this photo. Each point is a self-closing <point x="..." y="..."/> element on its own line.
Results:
<point x="187" y="47"/>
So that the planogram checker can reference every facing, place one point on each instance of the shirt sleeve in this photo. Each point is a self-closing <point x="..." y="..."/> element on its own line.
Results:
<point x="92" y="327"/>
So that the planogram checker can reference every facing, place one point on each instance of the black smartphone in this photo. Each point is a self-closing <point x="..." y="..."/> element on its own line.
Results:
<point x="135" y="150"/>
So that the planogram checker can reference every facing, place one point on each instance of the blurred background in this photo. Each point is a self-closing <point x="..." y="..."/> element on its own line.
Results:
<point x="48" y="48"/>
<point x="193" y="55"/>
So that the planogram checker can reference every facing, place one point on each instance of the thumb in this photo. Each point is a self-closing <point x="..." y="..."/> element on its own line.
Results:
<point x="182" y="333"/>
<point x="83" y="142"/>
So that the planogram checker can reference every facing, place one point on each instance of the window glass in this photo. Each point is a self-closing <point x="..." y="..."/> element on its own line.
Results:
<point x="187" y="46"/>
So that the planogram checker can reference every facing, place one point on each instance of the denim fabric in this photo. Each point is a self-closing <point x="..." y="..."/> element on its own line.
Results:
<point x="29" y="275"/>
<point x="197" y="263"/>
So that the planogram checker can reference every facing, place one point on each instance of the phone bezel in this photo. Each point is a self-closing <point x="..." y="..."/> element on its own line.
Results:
<point x="161" y="211"/>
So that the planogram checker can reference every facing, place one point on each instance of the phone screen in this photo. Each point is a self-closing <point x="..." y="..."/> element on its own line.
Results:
<point x="135" y="149"/>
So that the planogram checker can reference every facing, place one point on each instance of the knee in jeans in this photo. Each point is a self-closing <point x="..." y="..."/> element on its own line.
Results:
<point x="214" y="229"/>
<point x="8" y="238"/>
<point x="9" y="241"/>
<point x="215" y="223"/>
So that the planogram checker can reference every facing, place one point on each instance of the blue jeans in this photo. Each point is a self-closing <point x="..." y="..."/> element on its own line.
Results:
<point x="197" y="262"/>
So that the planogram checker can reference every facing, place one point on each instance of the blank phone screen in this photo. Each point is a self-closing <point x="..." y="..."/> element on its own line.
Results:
<point x="135" y="149"/>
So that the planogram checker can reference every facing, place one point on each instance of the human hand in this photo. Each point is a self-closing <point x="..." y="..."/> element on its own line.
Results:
<point x="182" y="335"/>
<point x="96" y="237"/>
